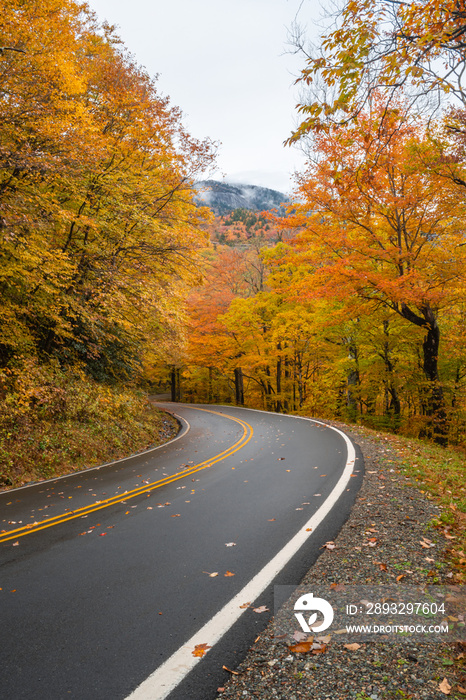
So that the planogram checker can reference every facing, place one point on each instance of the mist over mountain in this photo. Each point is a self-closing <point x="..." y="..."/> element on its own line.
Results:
<point x="223" y="197"/>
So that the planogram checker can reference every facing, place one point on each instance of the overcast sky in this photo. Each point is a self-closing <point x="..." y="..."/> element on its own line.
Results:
<point x="224" y="63"/>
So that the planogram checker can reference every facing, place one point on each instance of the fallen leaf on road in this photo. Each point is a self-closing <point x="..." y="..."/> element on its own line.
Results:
<point x="301" y="647"/>
<point x="271" y="520"/>
<point x="261" y="609"/>
<point x="229" y="573"/>
<point x="245" y="605"/>
<point x="398" y="578"/>
<point x="230" y="544"/>
<point x="309" y="529"/>
<point x="299" y="636"/>
<point x="200" y="649"/>
<point x="15" y="544"/>
<point x="215" y="573"/>
<point x="329" y="545"/>
<point x="352" y="647"/>
<point x="102" y="534"/>
<point x="220" y="690"/>
<point x="230" y="671"/>
<point x="445" y="687"/>
<point x="176" y="515"/>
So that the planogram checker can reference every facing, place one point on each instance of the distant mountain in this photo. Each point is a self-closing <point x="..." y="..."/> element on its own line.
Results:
<point x="223" y="197"/>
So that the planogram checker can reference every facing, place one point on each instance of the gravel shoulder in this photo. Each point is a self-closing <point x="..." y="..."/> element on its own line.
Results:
<point x="393" y="511"/>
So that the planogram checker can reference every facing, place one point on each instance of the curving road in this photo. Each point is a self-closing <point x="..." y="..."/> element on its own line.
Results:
<point x="105" y="574"/>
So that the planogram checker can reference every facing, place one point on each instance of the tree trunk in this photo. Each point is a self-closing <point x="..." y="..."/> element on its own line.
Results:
<point x="352" y="381"/>
<point x="175" y="384"/>
<point x="432" y="398"/>
<point x="239" y="389"/>
<point x="210" y="395"/>
<point x="392" y="401"/>
<point x="299" y="376"/>
<point x="278" y="406"/>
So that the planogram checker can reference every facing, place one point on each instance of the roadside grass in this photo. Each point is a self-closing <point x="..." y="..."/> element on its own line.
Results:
<point x="80" y="427"/>
<point x="439" y="473"/>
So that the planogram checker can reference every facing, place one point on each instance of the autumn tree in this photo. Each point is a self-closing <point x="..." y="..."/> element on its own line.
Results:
<point x="98" y="220"/>
<point x="383" y="45"/>
<point x="378" y="226"/>
<point x="229" y="273"/>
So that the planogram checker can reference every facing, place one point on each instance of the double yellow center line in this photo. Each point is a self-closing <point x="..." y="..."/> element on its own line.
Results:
<point x="147" y="488"/>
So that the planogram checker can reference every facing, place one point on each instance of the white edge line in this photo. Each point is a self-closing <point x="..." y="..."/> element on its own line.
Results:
<point x="165" y="678"/>
<point x="181" y="434"/>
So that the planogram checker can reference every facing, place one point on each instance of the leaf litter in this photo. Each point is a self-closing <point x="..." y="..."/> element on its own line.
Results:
<point x="410" y="669"/>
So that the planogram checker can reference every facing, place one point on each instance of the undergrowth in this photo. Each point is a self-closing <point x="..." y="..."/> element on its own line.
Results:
<point x="54" y="422"/>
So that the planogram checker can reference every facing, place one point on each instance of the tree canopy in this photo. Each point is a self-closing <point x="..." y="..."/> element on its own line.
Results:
<point x="384" y="45"/>
<point x="99" y="227"/>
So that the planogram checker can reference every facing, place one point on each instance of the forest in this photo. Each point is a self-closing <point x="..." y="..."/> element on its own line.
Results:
<point x="346" y="303"/>
<point x="99" y="233"/>
<point x="352" y="306"/>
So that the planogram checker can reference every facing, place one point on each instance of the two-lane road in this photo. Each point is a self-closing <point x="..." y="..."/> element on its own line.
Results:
<point x="105" y="575"/>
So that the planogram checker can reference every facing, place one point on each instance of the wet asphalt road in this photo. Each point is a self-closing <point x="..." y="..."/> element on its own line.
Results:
<point x="104" y="574"/>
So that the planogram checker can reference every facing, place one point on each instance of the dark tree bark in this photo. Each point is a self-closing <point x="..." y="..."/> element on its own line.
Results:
<point x="352" y="382"/>
<point x="239" y="389"/>
<point x="432" y="397"/>
<point x="175" y="384"/>
<point x="210" y="396"/>
<point x="392" y="401"/>
<point x="278" y="406"/>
